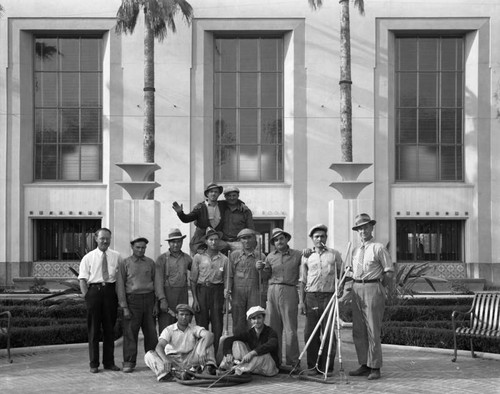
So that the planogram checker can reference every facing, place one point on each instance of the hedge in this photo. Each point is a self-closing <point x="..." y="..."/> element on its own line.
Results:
<point x="50" y="322"/>
<point x="434" y="337"/>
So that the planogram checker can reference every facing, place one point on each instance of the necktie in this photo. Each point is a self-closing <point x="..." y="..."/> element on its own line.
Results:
<point x="105" y="272"/>
<point x="361" y="258"/>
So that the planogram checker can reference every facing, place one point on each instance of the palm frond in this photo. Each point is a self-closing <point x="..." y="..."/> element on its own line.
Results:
<point x="75" y="272"/>
<point x="314" y="4"/>
<point x="126" y="17"/>
<point x="360" y="5"/>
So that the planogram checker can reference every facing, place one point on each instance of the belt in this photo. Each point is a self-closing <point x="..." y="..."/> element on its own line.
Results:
<point x="366" y="280"/>
<point x="101" y="284"/>
<point x="283" y="284"/>
<point x="210" y="284"/>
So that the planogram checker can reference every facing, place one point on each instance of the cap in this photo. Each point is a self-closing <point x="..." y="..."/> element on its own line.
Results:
<point x="321" y="227"/>
<point x="184" y="307"/>
<point x="254" y="311"/>
<point x="231" y="189"/>
<point x="139" y="239"/>
<point x="246" y="232"/>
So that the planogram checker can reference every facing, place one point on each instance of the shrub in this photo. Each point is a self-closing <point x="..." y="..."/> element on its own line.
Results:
<point x="51" y="322"/>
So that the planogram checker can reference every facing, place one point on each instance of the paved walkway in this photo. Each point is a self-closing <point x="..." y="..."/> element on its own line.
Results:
<point x="64" y="369"/>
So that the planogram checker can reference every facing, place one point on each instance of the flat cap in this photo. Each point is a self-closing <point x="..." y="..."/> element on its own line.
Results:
<point x="254" y="311"/>
<point x="184" y="307"/>
<point x="139" y="239"/>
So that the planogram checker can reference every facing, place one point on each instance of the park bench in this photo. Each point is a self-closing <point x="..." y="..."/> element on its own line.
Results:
<point x="484" y="320"/>
<point x="5" y="326"/>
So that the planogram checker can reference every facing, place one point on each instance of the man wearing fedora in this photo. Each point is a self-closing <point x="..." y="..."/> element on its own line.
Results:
<point x="373" y="271"/>
<point x="208" y="275"/>
<point x="282" y="269"/>
<point x="318" y="278"/>
<point x="205" y="214"/>
<point x="244" y="279"/>
<point x="136" y="296"/>
<point x="171" y="280"/>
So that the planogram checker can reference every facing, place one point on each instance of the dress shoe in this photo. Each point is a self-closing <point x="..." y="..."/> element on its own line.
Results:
<point x="112" y="368"/>
<point x="364" y="370"/>
<point x="374" y="374"/>
<point x="94" y="370"/>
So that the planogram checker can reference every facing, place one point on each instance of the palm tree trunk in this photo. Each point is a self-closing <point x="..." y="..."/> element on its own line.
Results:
<point x="345" y="83"/>
<point x="149" y="94"/>
<point x="148" y="145"/>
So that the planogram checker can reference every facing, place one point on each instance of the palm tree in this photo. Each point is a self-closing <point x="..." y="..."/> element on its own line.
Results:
<point x="159" y="17"/>
<point x="345" y="74"/>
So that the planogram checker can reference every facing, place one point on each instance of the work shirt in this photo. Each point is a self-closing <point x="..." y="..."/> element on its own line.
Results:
<point x="181" y="342"/>
<point x="236" y="218"/>
<point x="320" y="270"/>
<point x="136" y="275"/>
<point x="91" y="266"/>
<point x="242" y="270"/>
<point x="283" y="268"/>
<point x="208" y="270"/>
<point x="171" y="271"/>
<point x="376" y="260"/>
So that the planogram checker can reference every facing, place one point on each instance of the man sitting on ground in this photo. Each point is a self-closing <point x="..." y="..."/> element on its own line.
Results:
<point x="182" y="346"/>
<point x="256" y="350"/>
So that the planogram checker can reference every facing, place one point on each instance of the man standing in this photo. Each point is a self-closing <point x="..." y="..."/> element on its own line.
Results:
<point x="135" y="288"/>
<point x="257" y="348"/>
<point x="244" y="279"/>
<point x="182" y="346"/>
<point x="171" y="280"/>
<point x="205" y="214"/>
<point x="207" y="285"/>
<point x="282" y="267"/>
<point x="372" y="271"/>
<point x="318" y="277"/>
<point x="236" y="217"/>
<point x="98" y="271"/>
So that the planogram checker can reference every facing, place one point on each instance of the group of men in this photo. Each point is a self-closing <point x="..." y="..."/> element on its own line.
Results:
<point x="229" y="266"/>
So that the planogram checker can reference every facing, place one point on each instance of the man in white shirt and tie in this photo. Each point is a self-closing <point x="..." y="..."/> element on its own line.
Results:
<point x="372" y="272"/>
<point x="98" y="271"/>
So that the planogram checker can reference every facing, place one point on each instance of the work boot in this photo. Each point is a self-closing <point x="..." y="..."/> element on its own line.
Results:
<point x="374" y="374"/>
<point x="364" y="370"/>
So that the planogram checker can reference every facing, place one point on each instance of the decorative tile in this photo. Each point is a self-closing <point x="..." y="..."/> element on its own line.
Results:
<point x="54" y="269"/>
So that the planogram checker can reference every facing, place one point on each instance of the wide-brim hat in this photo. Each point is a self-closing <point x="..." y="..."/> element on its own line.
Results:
<point x="316" y="227"/>
<point x="139" y="239"/>
<point x="210" y="231"/>
<point x="173" y="234"/>
<point x="254" y="311"/>
<point x="184" y="307"/>
<point x="277" y="232"/>
<point x="211" y="186"/>
<point x="231" y="189"/>
<point x="361" y="220"/>
<point x="246" y="232"/>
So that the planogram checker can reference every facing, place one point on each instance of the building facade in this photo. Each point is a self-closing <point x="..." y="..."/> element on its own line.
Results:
<point x="248" y="95"/>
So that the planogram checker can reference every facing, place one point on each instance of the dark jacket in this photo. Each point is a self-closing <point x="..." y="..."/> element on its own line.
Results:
<point x="199" y="215"/>
<point x="267" y="342"/>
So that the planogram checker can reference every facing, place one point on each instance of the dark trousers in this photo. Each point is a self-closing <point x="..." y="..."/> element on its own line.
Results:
<point x="211" y="301"/>
<point x="141" y="311"/>
<point x="102" y="305"/>
<point x="174" y="296"/>
<point x="315" y="306"/>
